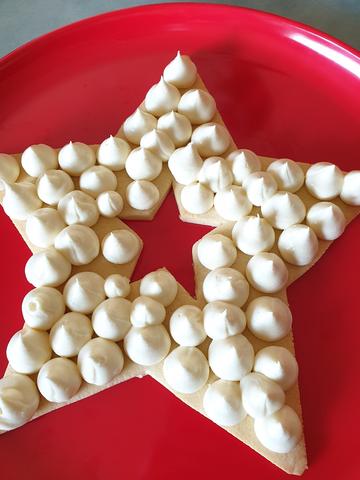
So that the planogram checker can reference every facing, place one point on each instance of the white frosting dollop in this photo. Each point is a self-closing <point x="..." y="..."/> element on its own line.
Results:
<point x="19" y="400"/>
<point x="43" y="225"/>
<point x="9" y="169"/>
<point x="231" y="358"/>
<point x="76" y="157"/>
<point x="36" y="159"/>
<point x="146" y="311"/>
<point x="227" y="285"/>
<point x="350" y="192"/>
<point x="42" y="307"/>
<point x="48" y="268"/>
<point x="243" y="162"/>
<point x="259" y="186"/>
<point x="186" y="369"/>
<point x="222" y="403"/>
<point x="298" y="245"/>
<point x="97" y="179"/>
<point x="137" y="125"/>
<point x="181" y="71"/>
<point x="283" y="209"/>
<point x="147" y="345"/>
<point x="185" y="164"/>
<point x="223" y="320"/>
<point x="117" y="285"/>
<point x="215" y="174"/>
<point x="269" y="318"/>
<point x="327" y="220"/>
<point x="278" y="364"/>
<point x="142" y="164"/>
<point x="267" y="272"/>
<point x="159" y="285"/>
<point x="279" y="432"/>
<point x="159" y="143"/>
<point x="215" y="251"/>
<point x="78" y="243"/>
<point x="211" y="139"/>
<point x="84" y="291"/>
<point x="78" y="207"/>
<point x="111" y="318"/>
<point x="324" y="180"/>
<point x="187" y="326"/>
<point x="120" y="246"/>
<point x="198" y="105"/>
<point x="100" y="360"/>
<point x="260" y="395"/>
<point x="162" y="98"/>
<point x="20" y="200"/>
<point x="53" y="185"/>
<point x="253" y="234"/>
<point x="110" y="204"/>
<point x="70" y="333"/>
<point x="288" y="174"/>
<point x="59" y="380"/>
<point x="27" y="350"/>
<point x="142" y="194"/>
<point x="176" y="126"/>
<point x="232" y="203"/>
<point x="196" y="198"/>
<point x="112" y="153"/>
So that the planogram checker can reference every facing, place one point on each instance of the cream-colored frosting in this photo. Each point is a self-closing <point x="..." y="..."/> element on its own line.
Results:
<point x="162" y="98"/>
<point x="20" y="200"/>
<point x="327" y="220"/>
<point x="260" y="395"/>
<point x="53" y="185"/>
<point x="232" y="203"/>
<point x="227" y="285"/>
<point x="186" y="369"/>
<point x="223" y="320"/>
<point x="268" y="318"/>
<point x="69" y="334"/>
<point x="42" y="307"/>
<point x="146" y="311"/>
<point x="187" y="326"/>
<point x="117" y="285"/>
<point x="110" y="204"/>
<point x="120" y="246"/>
<point x="147" y="345"/>
<point x="298" y="245"/>
<point x="215" y="174"/>
<point x="279" y="432"/>
<point x="324" y="180"/>
<point x="211" y="139"/>
<point x="59" y="380"/>
<point x="78" y="207"/>
<point x="142" y="194"/>
<point x="100" y="360"/>
<point x="185" y="164"/>
<point x="112" y="153"/>
<point x="253" y="234"/>
<point x="76" y="157"/>
<point x="78" y="243"/>
<point x="243" y="162"/>
<point x="43" y="225"/>
<point x="27" y="350"/>
<point x="231" y="358"/>
<point x="111" y="318"/>
<point x="159" y="285"/>
<point x="215" y="251"/>
<point x="196" y="198"/>
<point x="350" y="192"/>
<point x="137" y="125"/>
<point x="278" y="364"/>
<point x="288" y="174"/>
<point x="19" y="400"/>
<point x="48" y="268"/>
<point x="283" y="209"/>
<point x="142" y="164"/>
<point x="9" y="169"/>
<point x="36" y="159"/>
<point x="97" y="179"/>
<point x="84" y="291"/>
<point x="198" y="105"/>
<point x="159" y="143"/>
<point x="222" y="403"/>
<point x="267" y="272"/>
<point x="181" y="71"/>
<point x="259" y="186"/>
<point x="176" y="126"/>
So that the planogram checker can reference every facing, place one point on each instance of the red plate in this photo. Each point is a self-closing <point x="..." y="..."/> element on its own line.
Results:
<point x="284" y="90"/>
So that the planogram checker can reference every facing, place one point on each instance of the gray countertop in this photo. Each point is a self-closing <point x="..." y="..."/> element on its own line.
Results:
<point x="23" y="20"/>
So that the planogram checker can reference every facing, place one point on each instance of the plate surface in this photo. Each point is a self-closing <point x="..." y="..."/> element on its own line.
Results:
<point x="284" y="90"/>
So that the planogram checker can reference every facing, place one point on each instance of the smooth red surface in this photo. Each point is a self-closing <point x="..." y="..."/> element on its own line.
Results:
<point x="278" y="97"/>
